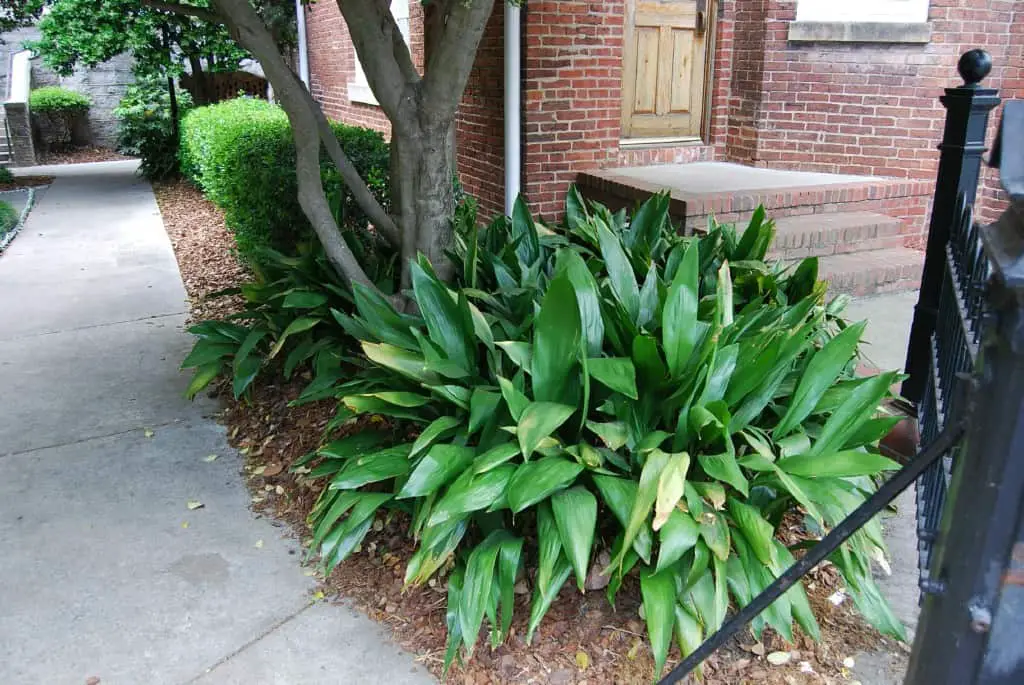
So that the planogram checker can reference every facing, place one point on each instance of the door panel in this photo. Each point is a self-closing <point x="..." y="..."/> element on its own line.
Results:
<point x="664" y="68"/>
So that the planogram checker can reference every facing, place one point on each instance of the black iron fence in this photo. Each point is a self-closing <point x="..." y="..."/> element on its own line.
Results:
<point x="965" y="366"/>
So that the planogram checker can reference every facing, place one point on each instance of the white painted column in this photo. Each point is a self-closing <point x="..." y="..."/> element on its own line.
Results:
<point x="513" y="98"/>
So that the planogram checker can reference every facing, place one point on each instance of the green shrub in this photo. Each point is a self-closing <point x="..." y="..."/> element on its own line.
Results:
<point x="5" y="175"/>
<point x="57" y="99"/>
<point x="57" y="113"/>
<point x="612" y="387"/>
<point x="9" y="217"/>
<point x="145" y="128"/>
<point x="599" y="387"/>
<point x="241" y="154"/>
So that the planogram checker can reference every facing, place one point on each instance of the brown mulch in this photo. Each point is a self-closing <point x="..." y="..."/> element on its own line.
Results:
<point x="20" y="182"/>
<point x="81" y="155"/>
<point x="204" y="247"/>
<point x="582" y="640"/>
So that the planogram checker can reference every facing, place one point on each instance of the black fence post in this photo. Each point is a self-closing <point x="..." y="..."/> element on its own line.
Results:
<point x="971" y="625"/>
<point x="963" y="143"/>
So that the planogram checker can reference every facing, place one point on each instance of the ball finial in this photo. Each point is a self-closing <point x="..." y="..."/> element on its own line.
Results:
<point x="974" y="65"/>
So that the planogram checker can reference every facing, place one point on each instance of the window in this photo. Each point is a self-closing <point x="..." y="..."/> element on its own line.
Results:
<point x="863" y="10"/>
<point x="861" y="21"/>
<point x="359" y="88"/>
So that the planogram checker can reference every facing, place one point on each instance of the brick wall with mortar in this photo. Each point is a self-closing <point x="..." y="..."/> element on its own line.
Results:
<point x="332" y="63"/>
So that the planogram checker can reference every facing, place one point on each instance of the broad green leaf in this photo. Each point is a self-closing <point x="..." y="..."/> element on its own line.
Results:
<point x="616" y="373"/>
<point x="575" y="210"/>
<point x="797" y="596"/>
<point x="438" y="429"/>
<point x="472" y="492"/>
<point x="402" y="361"/>
<point x="515" y="400"/>
<point x="342" y="541"/>
<point x="658" y="591"/>
<point x="676" y="538"/>
<point x="821" y="373"/>
<point x="724" y="468"/>
<point x="206" y="351"/>
<point x="646" y="493"/>
<point x="689" y="635"/>
<point x="794" y="484"/>
<point x="538" y="421"/>
<point x="556" y="342"/>
<point x="451" y="618"/>
<point x="536" y="480"/>
<point x="620" y="271"/>
<point x="569" y="263"/>
<point x="718" y="379"/>
<point x="245" y="372"/>
<point x="679" y="317"/>
<point x="613" y="434"/>
<point x="476" y="588"/>
<point x="456" y="394"/>
<point x="299" y="325"/>
<point x="619" y="494"/>
<point x="442" y="316"/>
<point x="837" y="465"/>
<point x="399" y="399"/>
<point x="648" y="298"/>
<point x="871" y="431"/>
<point x="715" y="532"/>
<point x="751" y="239"/>
<point x="713" y="492"/>
<point x="524" y="234"/>
<point x="342" y="503"/>
<point x="494" y="457"/>
<point x="304" y="299"/>
<point x="521" y="353"/>
<point x="438" y="545"/>
<point x="670" y="487"/>
<point x="441" y="465"/>
<point x="649" y="365"/>
<point x="758" y="532"/>
<point x="575" y="512"/>
<point x="552" y="567"/>
<point x="381" y="318"/>
<point x="544" y="594"/>
<point x="509" y="552"/>
<point x="860" y="406"/>
<point x="482" y="405"/>
<point x="367" y="404"/>
<point x="723" y="296"/>
<point x="374" y="467"/>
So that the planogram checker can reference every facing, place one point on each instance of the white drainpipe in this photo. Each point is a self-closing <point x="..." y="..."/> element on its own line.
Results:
<point x="512" y="105"/>
<point x="300" y="25"/>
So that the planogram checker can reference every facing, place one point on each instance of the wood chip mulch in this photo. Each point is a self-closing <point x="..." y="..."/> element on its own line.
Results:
<point x="582" y="640"/>
<point x="81" y="155"/>
<point x="20" y="182"/>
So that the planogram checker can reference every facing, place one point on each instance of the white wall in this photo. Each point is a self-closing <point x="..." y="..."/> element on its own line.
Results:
<point x="862" y="10"/>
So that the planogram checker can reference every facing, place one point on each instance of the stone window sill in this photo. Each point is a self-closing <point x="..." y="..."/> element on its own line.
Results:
<point x="859" y="32"/>
<point x="357" y="92"/>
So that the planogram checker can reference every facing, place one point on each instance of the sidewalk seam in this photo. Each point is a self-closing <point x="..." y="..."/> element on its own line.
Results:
<point x="19" y="453"/>
<point x="259" y="638"/>
<point x="151" y="317"/>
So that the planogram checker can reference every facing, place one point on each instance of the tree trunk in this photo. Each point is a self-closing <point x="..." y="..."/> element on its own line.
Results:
<point x="435" y="202"/>
<point x="202" y="91"/>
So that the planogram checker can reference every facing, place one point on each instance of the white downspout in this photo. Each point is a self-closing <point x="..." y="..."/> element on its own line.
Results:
<point x="513" y="94"/>
<point x="300" y="26"/>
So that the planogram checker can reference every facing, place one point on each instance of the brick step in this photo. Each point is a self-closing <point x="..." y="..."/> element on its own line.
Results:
<point x="894" y="269"/>
<point x="820" y="235"/>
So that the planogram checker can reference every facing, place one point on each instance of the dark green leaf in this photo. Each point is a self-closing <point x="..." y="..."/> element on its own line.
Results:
<point x="619" y="494"/>
<point x="676" y="537"/>
<point x="538" y="421"/>
<point x="441" y="465"/>
<point x="373" y="467"/>
<point x="575" y="512"/>
<point x="556" y="342"/>
<point x="476" y="588"/>
<point x="659" y="593"/>
<point x="837" y="465"/>
<point x="206" y="351"/>
<point x="203" y="376"/>
<point x="617" y="373"/>
<point x="536" y="480"/>
<point x="679" y="317"/>
<point x="859" y="407"/>
<point x="569" y="263"/>
<point x="620" y="271"/>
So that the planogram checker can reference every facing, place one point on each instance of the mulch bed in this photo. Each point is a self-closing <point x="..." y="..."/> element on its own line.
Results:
<point x="20" y="182"/>
<point x="582" y="640"/>
<point x="81" y="155"/>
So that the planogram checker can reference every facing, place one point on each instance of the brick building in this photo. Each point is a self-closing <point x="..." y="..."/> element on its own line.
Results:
<point x="810" y="85"/>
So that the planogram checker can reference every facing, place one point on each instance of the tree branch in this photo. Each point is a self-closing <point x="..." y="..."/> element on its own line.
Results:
<point x="382" y="52"/>
<point x="453" y="55"/>
<point x="188" y="10"/>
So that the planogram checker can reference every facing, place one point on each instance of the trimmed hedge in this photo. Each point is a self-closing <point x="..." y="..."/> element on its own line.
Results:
<point x="9" y="217"/>
<point x="57" y="99"/>
<point x="241" y="154"/>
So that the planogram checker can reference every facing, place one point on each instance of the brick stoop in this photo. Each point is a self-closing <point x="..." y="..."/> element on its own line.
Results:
<point x="866" y="232"/>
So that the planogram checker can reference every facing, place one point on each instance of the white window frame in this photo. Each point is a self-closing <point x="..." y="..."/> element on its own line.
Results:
<point x="874" y="11"/>
<point x="359" y="88"/>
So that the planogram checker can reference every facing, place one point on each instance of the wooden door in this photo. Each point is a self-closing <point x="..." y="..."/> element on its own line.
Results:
<point x="664" y="69"/>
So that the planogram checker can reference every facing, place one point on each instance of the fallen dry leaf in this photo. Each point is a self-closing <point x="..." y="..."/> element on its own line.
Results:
<point x="273" y="469"/>
<point x="259" y="544"/>
<point x="210" y="458"/>
<point x="582" y="660"/>
<point x="778" y="658"/>
<point x="148" y="433"/>
<point x="184" y="524"/>
<point x="194" y="504"/>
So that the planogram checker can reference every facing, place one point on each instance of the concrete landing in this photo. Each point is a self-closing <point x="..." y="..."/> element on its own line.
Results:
<point x="104" y="570"/>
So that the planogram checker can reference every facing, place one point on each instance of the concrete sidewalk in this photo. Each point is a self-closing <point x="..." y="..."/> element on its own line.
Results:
<point x="104" y="571"/>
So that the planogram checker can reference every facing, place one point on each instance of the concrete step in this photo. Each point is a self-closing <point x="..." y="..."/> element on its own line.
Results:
<point x="894" y="269"/>
<point x="820" y="235"/>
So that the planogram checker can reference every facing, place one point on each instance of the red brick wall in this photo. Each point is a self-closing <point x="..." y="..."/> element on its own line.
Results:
<point x="480" y="129"/>
<point x="332" y="63"/>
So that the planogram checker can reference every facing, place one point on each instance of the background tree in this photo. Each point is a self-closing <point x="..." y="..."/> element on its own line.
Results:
<point x="421" y="108"/>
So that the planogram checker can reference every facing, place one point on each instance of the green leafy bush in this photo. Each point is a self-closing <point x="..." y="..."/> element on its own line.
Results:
<point x="9" y="217"/>
<point x="57" y="113"/>
<point x="145" y="128"/>
<point x="57" y="99"/>
<point x="241" y="153"/>
<point x="5" y="175"/>
<point x="289" y="316"/>
<point x="613" y="387"/>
